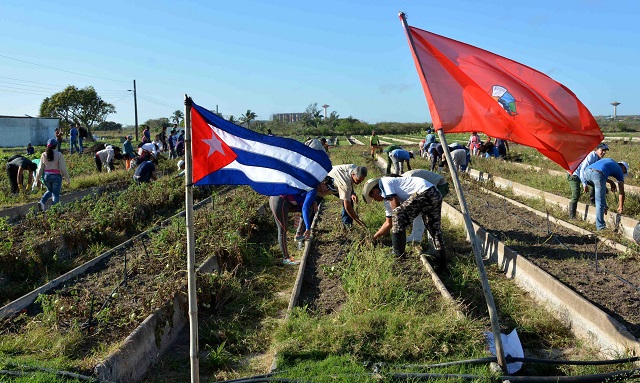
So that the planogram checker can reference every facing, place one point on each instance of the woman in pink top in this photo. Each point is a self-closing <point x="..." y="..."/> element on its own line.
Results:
<point x="54" y="169"/>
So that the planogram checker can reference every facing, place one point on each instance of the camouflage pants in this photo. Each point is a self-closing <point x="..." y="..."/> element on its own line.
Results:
<point x="426" y="204"/>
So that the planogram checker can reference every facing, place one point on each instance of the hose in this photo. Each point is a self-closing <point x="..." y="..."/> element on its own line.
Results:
<point x="595" y="378"/>
<point x="511" y="359"/>
<point x="263" y="378"/>
<point x="31" y="369"/>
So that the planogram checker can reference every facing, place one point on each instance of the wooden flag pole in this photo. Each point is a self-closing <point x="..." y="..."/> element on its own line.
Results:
<point x="191" y="271"/>
<point x="477" y="250"/>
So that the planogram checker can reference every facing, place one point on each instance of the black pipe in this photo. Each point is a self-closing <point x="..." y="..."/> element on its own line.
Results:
<point x="511" y="359"/>
<point x="31" y="369"/>
<point x="574" y="362"/>
<point x="594" y="378"/>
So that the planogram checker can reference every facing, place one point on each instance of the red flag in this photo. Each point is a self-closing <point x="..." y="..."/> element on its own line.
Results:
<point x="469" y="89"/>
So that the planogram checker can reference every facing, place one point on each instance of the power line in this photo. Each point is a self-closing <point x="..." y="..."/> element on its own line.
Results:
<point x="155" y="100"/>
<point x="120" y="99"/>
<point x="61" y="70"/>
<point x="28" y="86"/>
<point x="35" y="92"/>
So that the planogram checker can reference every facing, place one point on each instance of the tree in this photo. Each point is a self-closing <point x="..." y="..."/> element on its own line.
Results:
<point x="248" y="117"/>
<point x="73" y="104"/>
<point x="332" y="120"/>
<point x="232" y="119"/>
<point x="312" y="116"/>
<point x="109" y="125"/>
<point x="177" y="116"/>
<point x="155" y="123"/>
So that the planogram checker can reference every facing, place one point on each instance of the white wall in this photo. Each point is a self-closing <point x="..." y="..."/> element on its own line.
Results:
<point x="19" y="131"/>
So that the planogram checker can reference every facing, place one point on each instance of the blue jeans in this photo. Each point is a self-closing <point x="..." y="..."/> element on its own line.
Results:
<point x="600" y="185"/>
<point x="80" y="139"/>
<point x="74" y="144"/>
<point x="53" y="182"/>
<point x="346" y="220"/>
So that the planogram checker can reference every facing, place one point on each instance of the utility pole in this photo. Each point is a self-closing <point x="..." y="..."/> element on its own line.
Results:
<point x="135" y="106"/>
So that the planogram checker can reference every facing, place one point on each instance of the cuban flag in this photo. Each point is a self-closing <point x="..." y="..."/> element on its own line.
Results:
<point x="228" y="154"/>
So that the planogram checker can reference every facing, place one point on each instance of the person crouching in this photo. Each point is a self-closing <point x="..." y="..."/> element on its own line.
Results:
<point x="404" y="199"/>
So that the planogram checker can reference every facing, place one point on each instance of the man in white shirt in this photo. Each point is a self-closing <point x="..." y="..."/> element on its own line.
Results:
<point x="345" y="178"/>
<point x="404" y="199"/>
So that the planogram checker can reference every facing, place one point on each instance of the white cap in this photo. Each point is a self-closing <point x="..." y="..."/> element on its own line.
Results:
<point x="626" y="166"/>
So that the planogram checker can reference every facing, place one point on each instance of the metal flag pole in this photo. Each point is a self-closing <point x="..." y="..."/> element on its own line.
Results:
<point x="191" y="245"/>
<point x="477" y="250"/>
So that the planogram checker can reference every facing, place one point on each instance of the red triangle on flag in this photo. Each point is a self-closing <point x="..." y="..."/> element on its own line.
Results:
<point x="210" y="153"/>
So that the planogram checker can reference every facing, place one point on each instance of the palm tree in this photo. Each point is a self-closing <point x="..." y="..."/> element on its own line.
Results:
<point x="177" y="116"/>
<point x="248" y="117"/>
<point x="232" y="119"/>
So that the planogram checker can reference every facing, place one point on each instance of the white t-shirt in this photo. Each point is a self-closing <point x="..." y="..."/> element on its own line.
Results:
<point x="434" y="178"/>
<point x="401" y="187"/>
<point x="459" y="157"/>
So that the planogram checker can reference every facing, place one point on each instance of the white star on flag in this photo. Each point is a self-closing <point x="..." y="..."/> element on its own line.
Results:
<point x="214" y="145"/>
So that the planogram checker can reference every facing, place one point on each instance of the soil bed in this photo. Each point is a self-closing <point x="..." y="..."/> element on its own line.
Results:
<point x="101" y="305"/>
<point x="570" y="257"/>
<point x="322" y="290"/>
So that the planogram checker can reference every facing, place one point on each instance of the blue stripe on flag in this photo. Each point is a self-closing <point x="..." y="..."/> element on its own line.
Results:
<point x="238" y="177"/>
<point x="258" y="160"/>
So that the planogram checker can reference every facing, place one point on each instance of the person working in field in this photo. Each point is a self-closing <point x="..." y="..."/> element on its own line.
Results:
<point x="306" y="203"/>
<point x="417" y="231"/>
<point x="598" y="173"/>
<point x="145" y="172"/>
<point x="345" y="178"/>
<point x="386" y="151"/>
<point x="374" y="143"/>
<point x="577" y="179"/>
<point x="52" y="170"/>
<point x="400" y="157"/>
<point x="105" y="158"/>
<point x="15" y="172"/>
<point x="406" y="198"/>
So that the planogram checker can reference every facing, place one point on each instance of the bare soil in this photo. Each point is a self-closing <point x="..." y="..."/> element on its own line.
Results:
<point x="605" y="277"/>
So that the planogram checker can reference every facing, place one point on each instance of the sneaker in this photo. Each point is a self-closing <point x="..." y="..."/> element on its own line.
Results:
<point x="300" y="238"/>
<point x="290" y="261"/>
<point x="40" y="206"/>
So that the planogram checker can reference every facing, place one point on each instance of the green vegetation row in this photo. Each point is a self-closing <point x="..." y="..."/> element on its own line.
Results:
<point x="42" y="247"/>
<point x="55" y="336"/>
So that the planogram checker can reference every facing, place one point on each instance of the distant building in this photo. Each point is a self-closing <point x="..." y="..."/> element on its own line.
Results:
<point x="288" y="117"/>
<point x="19" y="131"/>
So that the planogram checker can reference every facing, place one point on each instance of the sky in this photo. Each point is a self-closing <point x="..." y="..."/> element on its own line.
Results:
<point x="281" y="56"/>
